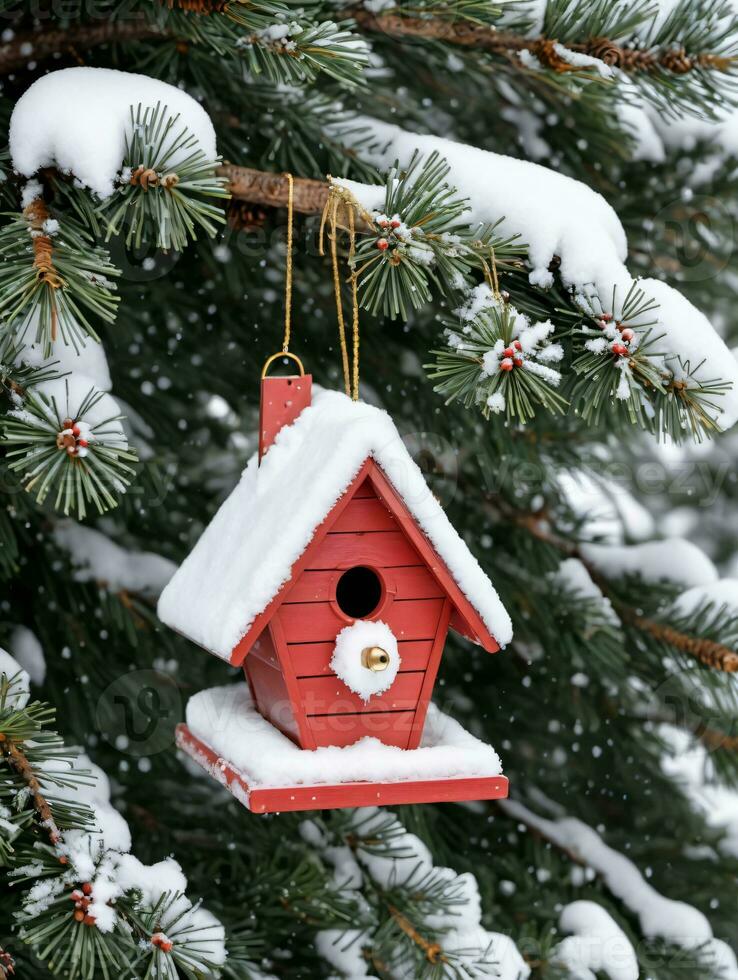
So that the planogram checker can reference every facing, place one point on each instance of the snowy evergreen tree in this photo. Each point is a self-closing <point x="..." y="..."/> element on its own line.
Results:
<point x="525" y="253"/>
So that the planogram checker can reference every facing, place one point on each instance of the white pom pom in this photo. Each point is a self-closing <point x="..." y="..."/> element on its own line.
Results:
<point x="347" y="657"/>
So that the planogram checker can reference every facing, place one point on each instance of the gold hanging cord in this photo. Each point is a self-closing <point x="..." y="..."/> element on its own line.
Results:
<point x="285" y="352"/>
<point x="339" y="197"/>
<point x="288" y="270"/>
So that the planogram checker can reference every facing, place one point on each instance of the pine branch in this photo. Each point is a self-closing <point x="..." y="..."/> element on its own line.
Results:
<point x="710" y="653"/>
<point x="18" y="761"/>
<point x="433" y="951"/>
<point x="486" y="37"/>
<point x="40" y="45"/>
<point x="458" y="32"/>
<point x="170" y="187"/>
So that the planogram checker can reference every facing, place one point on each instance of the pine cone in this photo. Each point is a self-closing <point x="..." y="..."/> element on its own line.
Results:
<point x="607" y="51"/>
<point x="677" y="61"/>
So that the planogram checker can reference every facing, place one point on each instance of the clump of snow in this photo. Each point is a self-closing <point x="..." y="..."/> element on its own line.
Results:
<point x="99" y="559"/>
<point x="240" y="563"/>
<point x="347" y="664"/>
<point x="577" y="59"/>
<point x="78" y="119"/>
<point x="226" y="719"/>
<point x="18" y="692"/>
<point x="343" y="949"/>
<point x="558" y="216"/>
<point x="554" y="214"/>
<point x="88" y="359"/>
<point x="634" y="117"/>
<point x="672" y="560"/>
<point x="605" y="507"/>
<point x="29" y="653"/>
<point x="598" y="944"/>
<point x="659" y="136"/>
<point x="690" y="765"/>
<point x="573" y="576"/>
<point x="496" y="402"/>
<point x="720" y="594"/>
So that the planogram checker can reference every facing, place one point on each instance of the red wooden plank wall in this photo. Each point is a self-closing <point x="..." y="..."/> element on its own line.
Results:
<point x="269" y="687"/>
<point x="367" y="533"/>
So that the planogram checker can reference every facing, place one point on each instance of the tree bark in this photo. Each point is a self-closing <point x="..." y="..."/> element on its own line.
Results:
<point x="270" y="189"/>
<point x="40" y="45"/>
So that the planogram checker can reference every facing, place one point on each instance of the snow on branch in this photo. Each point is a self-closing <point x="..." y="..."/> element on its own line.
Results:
<point x="417" y="915"/>
<point x="597" y="944"/>
<point x="708" y="650"/>
<point x="96" y="558"/>
<point x="570" y="228"/>
<point x="663" y="918"/>
<point x="79" y="121"/>
<point x="84" y="881"/>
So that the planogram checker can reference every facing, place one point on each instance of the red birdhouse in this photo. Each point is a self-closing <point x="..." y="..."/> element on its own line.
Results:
<point x="332" y="576"/>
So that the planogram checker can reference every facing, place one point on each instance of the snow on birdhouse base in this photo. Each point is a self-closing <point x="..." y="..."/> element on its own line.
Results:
<point x="268" y="773"/>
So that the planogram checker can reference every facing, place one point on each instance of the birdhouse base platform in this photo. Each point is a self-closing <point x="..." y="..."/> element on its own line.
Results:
<point x="327" y="796"/>
<point x="268" y="773"/>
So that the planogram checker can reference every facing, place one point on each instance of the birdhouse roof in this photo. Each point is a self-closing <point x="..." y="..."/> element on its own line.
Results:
<point x="247" y="552"/>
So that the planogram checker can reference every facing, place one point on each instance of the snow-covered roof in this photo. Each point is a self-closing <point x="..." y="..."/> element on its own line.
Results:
<point x="246" y="553"/>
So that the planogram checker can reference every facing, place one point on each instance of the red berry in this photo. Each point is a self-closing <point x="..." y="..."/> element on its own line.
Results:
<point x="79" y="916"/>
<point x="166" y="946"/>
<point x="382" y="244"/>
<point x="76" y="895"/>
<point x="517" y="345"/>
<point x="395" y="223"/>
<point x="518" y="361"/>
<point x="619" y="349"/>
<point x="606" y="317"/>
<point x="383" y="223"/>
<point x="83" y="443"/>
<point x="506" y="364"/>
<point x="76" y="429"/>
<point x="508" y="352"/>
<point x="87" y="888"/>
<point x="627" y="334"/>
<point x="89" y="920"/>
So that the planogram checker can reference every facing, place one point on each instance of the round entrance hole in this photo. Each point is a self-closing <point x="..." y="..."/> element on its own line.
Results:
<point x="358" y="592"/>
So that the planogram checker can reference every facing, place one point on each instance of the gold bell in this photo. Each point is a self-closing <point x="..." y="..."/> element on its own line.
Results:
<point x="374" y="658"/>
